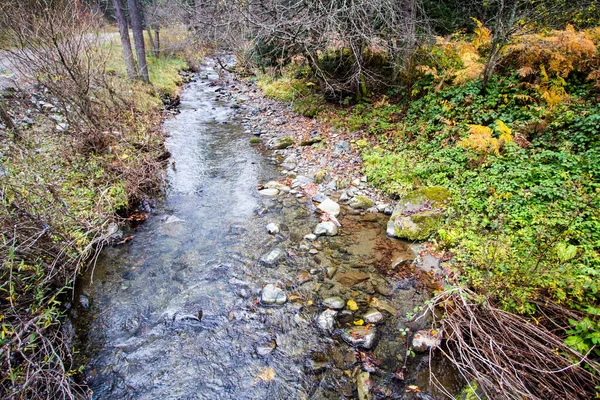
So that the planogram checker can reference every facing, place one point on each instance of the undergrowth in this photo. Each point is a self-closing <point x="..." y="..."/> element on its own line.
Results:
<point x="67" y="180"/>
<point x="521" y="160"/>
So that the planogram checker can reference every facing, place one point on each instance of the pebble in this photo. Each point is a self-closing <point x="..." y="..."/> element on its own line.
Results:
<point x="269" y="192"/>
<point x="360" y="336"/>
<point x="330" y="207"/>
<point x="310" y="237"/>
<point x="272" y="295"/>
<point x="270" y="258"/>
<point x="373" y="316"/>
<point x="326" y="320"/>
<point x="272" y="228"/>
<point x="327" y="228"/>
<point x="337" y="303"/>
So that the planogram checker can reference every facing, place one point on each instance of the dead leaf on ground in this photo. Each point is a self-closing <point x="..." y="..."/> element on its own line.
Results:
<point x="266" y="374"/>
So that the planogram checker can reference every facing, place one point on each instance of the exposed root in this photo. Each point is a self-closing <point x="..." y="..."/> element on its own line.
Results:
<point x="508" y="355"/>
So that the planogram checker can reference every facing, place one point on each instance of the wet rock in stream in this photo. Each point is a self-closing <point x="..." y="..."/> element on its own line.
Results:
<point x="326" y="228"/>
<point x="360" y="336"/>
<point x="272" y="295"/>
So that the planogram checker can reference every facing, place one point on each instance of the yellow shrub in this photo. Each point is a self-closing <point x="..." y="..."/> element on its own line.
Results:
<point x="481" y="139"/>
<point x="559" y="52"/>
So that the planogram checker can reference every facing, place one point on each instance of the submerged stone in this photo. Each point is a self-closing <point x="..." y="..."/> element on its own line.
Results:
<point x="326" y="320"/>
<point x="337" y="303"/>
<point x="360" y="336"/>
<point x="272" y="257"/>
<point x="272" y="228"/>
<point x="272" y="295"/>
<point x="425" y="340"/>
<point x="373" y="316"/>
<point x="327" y="228"/>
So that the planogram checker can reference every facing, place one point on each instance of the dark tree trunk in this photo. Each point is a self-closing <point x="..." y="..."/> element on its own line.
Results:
<point x="125" y="43"/>
<point x="157" y="41"/>
<point x="138" y="38"/>
<point x="151" y="39"/>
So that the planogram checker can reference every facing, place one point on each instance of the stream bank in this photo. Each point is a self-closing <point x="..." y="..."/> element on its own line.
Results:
<point x="226" y="292"/>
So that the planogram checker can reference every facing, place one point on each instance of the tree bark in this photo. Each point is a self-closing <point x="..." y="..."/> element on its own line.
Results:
<point x="125" y="43"/>
<point x="151" y="39"/>
<point x="138" y="38"/>
<point x="157" y="41"/>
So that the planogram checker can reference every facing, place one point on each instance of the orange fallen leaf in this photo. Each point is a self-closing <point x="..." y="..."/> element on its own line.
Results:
<point x="266" y="374"/>
<point x="412" y="389"/>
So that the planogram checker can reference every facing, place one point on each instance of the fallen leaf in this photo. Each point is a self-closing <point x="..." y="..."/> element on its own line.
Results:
<point x="412" y="389"/>
<point x="266" y="374"/>
<point x="359" y="322"/>
<point x="352" y="306"/>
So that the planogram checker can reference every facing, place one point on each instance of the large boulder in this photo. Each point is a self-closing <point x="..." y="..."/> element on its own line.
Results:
<point x="418" y="214"/>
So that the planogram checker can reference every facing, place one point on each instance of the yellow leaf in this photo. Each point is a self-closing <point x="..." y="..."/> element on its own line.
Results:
<point x="266" y="374"/>
<point x="352" y="305"/>
<point x="359" y="322"/>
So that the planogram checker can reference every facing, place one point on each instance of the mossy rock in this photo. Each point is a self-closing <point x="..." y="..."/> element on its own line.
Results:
<point x="436" y="196"/>
<point x="280" y="143"/>
<point x="360" y="203"/>
<point x="320" y="176"/>
<point x="311" y="141"/>
<point x="414" y="227"/>
<point x="255" y="140"/>
<point x="419" y="214"/>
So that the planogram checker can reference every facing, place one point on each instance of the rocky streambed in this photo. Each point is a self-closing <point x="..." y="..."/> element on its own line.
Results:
<point x="254" y="281"/>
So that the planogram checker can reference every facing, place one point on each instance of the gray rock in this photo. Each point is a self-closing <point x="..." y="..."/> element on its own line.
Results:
<point x="341" y="147"/>
<point x="276" y="185"/>
<point x="337" y="303"/>
<point x="425" y="340"/>
<point x="272" y="295"/>
<point x="327" y="228"/>
<point x="310" y="237"/>
<point x="373" y="316"/>
<point x="269" y="192"/>
<point x="344" y="196"/>
<point x="326" y="320"/>
<point x="330" y="207"/>
<point x="360" y="336"/>
<point x="264" y="350"/>
<point x="301" y="180"/>
<point x="272" y="228"/>
<point x="272" y="257"/>
<point x="319" y="198"/>
<point x="288" y="166"/>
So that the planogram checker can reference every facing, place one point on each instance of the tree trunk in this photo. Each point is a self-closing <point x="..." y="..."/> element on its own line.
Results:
<point x="125" y="43"/>
<point x="151" y="39"/>
<point x="157" y="41"/>
<point x="138" y="38"/>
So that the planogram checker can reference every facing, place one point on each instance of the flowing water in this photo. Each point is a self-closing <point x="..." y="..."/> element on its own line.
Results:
<point x="174" y="314"/>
